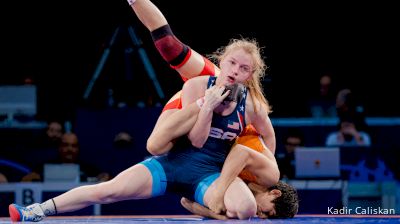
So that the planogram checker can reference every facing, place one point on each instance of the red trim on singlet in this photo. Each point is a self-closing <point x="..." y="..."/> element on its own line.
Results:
<point x="189" y="53"/>
<point x="208" y="68"/>
<point x="175" y="104"/>
<point x="184" y="79"/>
<point x="182" y="63"/>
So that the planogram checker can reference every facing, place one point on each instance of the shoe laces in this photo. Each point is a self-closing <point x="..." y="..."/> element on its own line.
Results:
<point x="32" y="213"/>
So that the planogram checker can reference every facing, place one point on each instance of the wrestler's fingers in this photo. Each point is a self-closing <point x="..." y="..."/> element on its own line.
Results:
<point x="226" y="94"/>
<point x="219" y="90"/>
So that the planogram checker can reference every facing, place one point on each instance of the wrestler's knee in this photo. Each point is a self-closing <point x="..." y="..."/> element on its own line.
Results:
<point x="239" y="201"/>
<point x="244" y="209"/>
<point x="169" y="46"/>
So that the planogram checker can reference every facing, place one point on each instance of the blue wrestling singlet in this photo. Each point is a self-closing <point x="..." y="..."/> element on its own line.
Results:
<point x="189" y="171"/>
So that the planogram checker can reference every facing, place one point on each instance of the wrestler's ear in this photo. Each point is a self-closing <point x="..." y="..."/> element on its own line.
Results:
<point x="276" y="193"/>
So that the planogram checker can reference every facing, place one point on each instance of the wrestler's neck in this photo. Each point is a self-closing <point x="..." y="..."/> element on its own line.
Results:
<point x="256" y="189"/>
<point x="225" y="108"/>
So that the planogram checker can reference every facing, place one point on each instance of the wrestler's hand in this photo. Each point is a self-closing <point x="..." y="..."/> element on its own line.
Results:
<point x="214" y="97"/>
<point x="216" y="204"/>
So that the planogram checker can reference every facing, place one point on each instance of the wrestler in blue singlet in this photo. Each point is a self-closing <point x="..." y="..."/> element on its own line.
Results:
<point x="188" y="170"/>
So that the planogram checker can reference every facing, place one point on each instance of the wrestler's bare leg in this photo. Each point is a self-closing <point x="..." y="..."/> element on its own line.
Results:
<point x="238" y="199"/>
<point x="263" y="167"/>
<point x="153" y="19"/>
<point x="133" y="183"/>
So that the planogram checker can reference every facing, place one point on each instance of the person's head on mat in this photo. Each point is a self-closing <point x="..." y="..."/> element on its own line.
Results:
<point x="278" y="201"/>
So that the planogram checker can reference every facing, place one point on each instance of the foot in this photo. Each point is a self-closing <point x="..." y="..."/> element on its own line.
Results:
<point x="198" y="209"/>
<point x="31" y="213"/>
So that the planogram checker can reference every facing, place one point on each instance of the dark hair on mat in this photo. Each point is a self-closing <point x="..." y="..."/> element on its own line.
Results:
<point x="287" y="205"/>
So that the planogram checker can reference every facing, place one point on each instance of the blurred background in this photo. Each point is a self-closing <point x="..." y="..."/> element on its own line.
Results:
<point x="59" y="48"/>
<point x="74" y="67"/>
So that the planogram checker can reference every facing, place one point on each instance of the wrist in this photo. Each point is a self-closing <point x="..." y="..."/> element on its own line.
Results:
<point x="207" y="108"/>
<point x="200" y="102"/>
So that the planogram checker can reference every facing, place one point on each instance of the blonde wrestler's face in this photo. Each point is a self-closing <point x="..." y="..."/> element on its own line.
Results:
<point x="236" y="67"/>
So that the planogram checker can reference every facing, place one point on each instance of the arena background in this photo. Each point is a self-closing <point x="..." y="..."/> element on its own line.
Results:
<point x="59" y="45"/>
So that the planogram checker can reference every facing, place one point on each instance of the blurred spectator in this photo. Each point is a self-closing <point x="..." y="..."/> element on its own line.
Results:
<point x="349" y="107"/>
<point x="123" y="140"/>
<point x="50" y="137"/>
<point x="348" y="134"/>
<point x="68" y="152"/>
<point x="3" y="178"/>
<point x="294" y="138"/>
<point x="323" y="104"/>
<point x="54" y="133"/>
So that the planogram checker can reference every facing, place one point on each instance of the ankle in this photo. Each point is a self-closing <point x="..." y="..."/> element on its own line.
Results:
<point x="48" y="207"/>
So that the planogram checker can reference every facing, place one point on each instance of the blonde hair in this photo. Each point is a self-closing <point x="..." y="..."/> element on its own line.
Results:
<point x="251" y="47"/>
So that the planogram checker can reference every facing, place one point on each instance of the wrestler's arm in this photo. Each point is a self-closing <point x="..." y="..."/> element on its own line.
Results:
<point x="213" y="97"/>
<point x="265" y="167"/>
<point x="192" y="90"/>
<point x="262" y="123"/>
<point x="175" y="122"/>
<point x="170" y="125"/>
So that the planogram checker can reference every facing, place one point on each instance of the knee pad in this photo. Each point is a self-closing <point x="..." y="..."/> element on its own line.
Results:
<point x="171" y="49"/>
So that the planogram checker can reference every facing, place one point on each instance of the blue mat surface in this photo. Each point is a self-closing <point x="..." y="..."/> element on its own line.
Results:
<point x="196" y="219"/>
